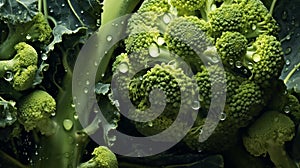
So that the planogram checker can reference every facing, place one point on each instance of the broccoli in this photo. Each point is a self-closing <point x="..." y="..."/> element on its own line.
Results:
<point x="35" y="111"/>
<point x="36" y="30"/>
<point x="263" y="58"/>
<point x="269" y="134"/>
<point x="8" y="115"/>
<point x="21" y="69"/>
<point x="102" y="158"/>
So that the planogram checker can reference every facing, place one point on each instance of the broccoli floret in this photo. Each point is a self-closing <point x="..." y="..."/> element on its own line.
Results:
<point x="36" y="30"/>
<point x="158" y="6"/>
<point x="22" y="68"/>
<point x="231" y="46"/>
<point x="292" y="108"/>
<point x="35" y="111"/>
<point x="258" y="19"/>
<point x="187" y="38"/>
<point x="177" y="91"/>
<point x="102" y="158"/>
<point x="227" y="18"/>
<point x="263" y="58"/>
<point x="269" y="134"/>
<point x="187" y="6"/>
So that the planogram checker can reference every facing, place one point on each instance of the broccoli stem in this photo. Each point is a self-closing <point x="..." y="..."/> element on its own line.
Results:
<point x="6" y="66"/>
<point x="7" y="160"/>
<point x="279" y="157"/>
<point x="65" y="147"/>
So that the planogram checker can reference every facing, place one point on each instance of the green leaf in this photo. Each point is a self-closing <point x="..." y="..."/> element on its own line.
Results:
<point x="287" y="15"/>
<point x="69" y="17"/>
<point x="17" y="11"/>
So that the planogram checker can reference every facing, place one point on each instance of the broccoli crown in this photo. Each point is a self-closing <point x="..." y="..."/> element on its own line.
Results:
<point x="35" y="110"/>
<point x="231" y="46"/>
<point x="102" y="157"/>
<point x="23" y="66"/>
<point x="271" y="128"/>
<point x="265" y="57"/>
<point x="164" y="34"/>
<point x="185" y="36"/>
<point x="259" y="19"/>
<point x="227" y="18"/>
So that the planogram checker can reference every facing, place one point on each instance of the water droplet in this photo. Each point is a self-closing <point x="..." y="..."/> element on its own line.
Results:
<point x="8" y="76"/>
<point x="196" y="105"/>
<point x="199" y="150"/>
<point x="200" y="131"/>
<point x="36" y="153"/>
<point x="85" y="90"/>
<point x="150" y="124"/>
<point x="109" y="38"/>
<point x="167" y="18"/>
<point x="231" y="62"/>
<point x="253" y="27"/>
<point x="82" y="12"/>
<point x="284" y="15"/>
<point x="238" y="64"/>
<point x="96" y="63"/>
<point x="154" y="50"/>
<point x="245" y="71"/>
<point x="250" y="65"/>
<point x="123" y="67"/>
<point x="256" y="58"/>
<point x="160" y="41"/>
<point x="68" y="124"/>
<point x="53" y="114"/>
<point x="63" y="5"/>
<point x="287" y="109"/>
<point x="51" y="11"/>
<point x="9" y="118"/>
<point x="87" y="82"/>
<point x="288" y="37"/>
<point x="73" y="105"/>
<point x="287" y="62"/>
<point x="288" y="50"/>
<point x="75" y="116"/>
<point x="19" y="12"/>
<point x="44" y="57"/>
<point x="28" y="37"/>
<point x="223" y="116"/>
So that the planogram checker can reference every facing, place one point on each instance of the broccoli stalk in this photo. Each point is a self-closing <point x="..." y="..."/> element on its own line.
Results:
<point x="268" y="134"/>
<point x="36" y="30"/>
<point x="21" y="69"/>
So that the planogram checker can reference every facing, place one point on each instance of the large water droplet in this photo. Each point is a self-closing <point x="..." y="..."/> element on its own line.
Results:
<point x="150" y="124"/>
<point x="256" y="58"/>
<point x="253" y="27"/>
<point x="284" y="15"/>
<point x="85" y="90"/>
<point x="287" y="62"/>
<point x="196" y="105"/>
<point x="160" y="41"/>
<point x="167" y="18"/>
<point x="28" y="37"/>
<point x="238" y="64"/>
<point x="250" y="65"/>
<point x="287" y="109"/>
<point x="223" y="116"/>
<point x="8" y="76"/>
<point x="288" y="50"/>
<point x="154" y="50"/>
<point x="68" y="124"/>
<point x="123" y="67"/>
<point x="109" y="38"/>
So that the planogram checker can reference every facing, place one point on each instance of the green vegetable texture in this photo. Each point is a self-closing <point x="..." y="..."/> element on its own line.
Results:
<point x="214" y="80"/>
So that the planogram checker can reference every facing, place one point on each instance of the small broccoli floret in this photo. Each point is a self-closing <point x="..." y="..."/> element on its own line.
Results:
<point x="22" y="68"/>
<point x="258" y="19"/>
<point x="231" y="46"/>
<point x="264" y="58"/>
<point x="102" y="158"/>
<point x="187" y="6"/>
<point x="8" y="112"/>
<point x="292" y="108"/>
<point x="36" y="30"/>
<point x="269" y="134"/>
<point x="227" y="18"/>
<point x="35" y="111"/>
<point x="187" y="38"/>
<point x="164" y="88"/>
<point x="158" y="6"/>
